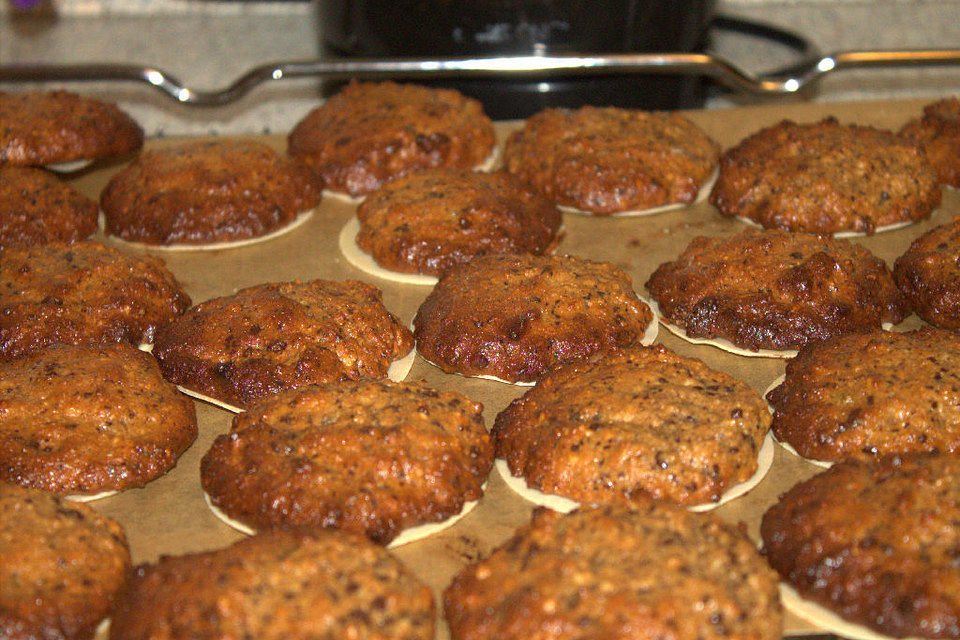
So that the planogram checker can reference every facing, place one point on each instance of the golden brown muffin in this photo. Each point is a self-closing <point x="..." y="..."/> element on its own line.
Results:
<point x="88" y="419"/>
<point x="515" y="316"/>
<point x="83" y="293"/>
<point x="605" y="160"/>
<point x="775" y="290"/>
<point x="271" y="337"/>
<point x="203" y="192"/>
<point x="875" y="543"/>
<point x="928" y="274"/>
<point x="612" y="574"/>
<point x="36" y="208"/>
<point x="371" y="457"/>
<point x="633" y="425"/>
<point x="825" y="178"/>
<point x="282" y="585"/>
<point x="431" y="221"/>
<point x="39" y="128"/>
<point x="370" y="133"/>
<point x="938" y="132"/>
<point x="62" y="566"/>
<point x="869" y="396"/>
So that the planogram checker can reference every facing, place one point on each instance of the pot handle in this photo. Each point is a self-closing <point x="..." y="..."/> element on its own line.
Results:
<point x="807" y="52"/>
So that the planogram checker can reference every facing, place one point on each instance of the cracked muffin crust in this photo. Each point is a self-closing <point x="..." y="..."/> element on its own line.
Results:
<point x="606" y="160"/>
<point x="775" y="290"/>
<point x="370" y="133"/>
<point x="83" y="293"/>
<point x="62" y="566"/>
<point x="370" y="457"/>
<point x="870" y="396"/>
<point x="928" y="274"/>
<point x="938" y="132"/>
<point x="280" y="585"/>
<point x="36" y="208"/>
<point x="612" y="574"/>
<point x="270" y="337"/>
<point x="40" y="128"/>
<point x="430" y="221"/>
<point x="517" y="316"/>
<point x="633" y="425"/>
<point x="203" y="192"/>
<point x="88" y="419"/>
<point x="825" y="178"/>
<point x="875" y="543"/>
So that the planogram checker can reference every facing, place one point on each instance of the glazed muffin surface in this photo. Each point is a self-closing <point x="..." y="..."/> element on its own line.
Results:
<point x="869" y="396"/>
<point x="62" y="566"/>
<point x="36" y="208"/>
<point x="281" y="585"/>
<point x="370" y="457"/>
<point x="430" y="221"/>
<point x="613" y="574"/>
<point x="605" y="160"/>
<point x="825" y="178"/>
<point x="938" y="132"/>
<point x="928" y="274"/>
<point x="875" y="543"/>
<point x="370" y="133"/>
<point x="775" y="290"/>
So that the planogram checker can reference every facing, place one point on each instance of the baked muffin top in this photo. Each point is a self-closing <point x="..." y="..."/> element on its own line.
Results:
<point x="876" y="543"/>
<point x="612" y="574"/>
<point x="938" y="132"/>
<point x="606" y="160"/>
<point x="428" y="222"/>
<point x="775" y="290"/>
<point x="370" y="457"/>
<point x="370" y="133"/>
<point x="36" y="208"/>
<point x="633" y="425"/>
<point x="825" y="178"/>
<point x="928" y="274"/>
<point x="62" y="565"/>
<point x="50" y="127"/>
<point x="280" y="585"/>
<point x="869" y="396"/>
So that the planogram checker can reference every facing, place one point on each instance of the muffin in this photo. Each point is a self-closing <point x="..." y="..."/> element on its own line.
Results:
<point x="515" y="317"/>
<point x="203" y="192"/>
<point x="370" y="133"/>
<point x="89" y="419"/>
<point x="608" y="160"/>
<point x="875" y="543"/>
<point x="270" y="337"/>
<point x="938" y="132"/>
<point x="83" y="293"/>
<point x="62" y="566"/>
<point x="826" y="178"/>
<point x="428" y="222"/>
<point x="928" y="274"/>
<point x="370" y="457"/>
<point x="775" y="290"/>
<point x="629" y="426"/>
<point x="870" y="396"/>
<point x="36" y="208"/>
<point x="282" y="585"/>
<point x="607" y="573"/>
<point x="52" y="127"/>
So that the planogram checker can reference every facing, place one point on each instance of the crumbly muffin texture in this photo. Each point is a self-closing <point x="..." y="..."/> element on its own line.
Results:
<point x="928" y="274"/>
<point x="517" y="316"/>
<point x="633" y="425"/>
<point x="612" y="574"/>
<point x="62" y="566"/>
<point x="281" y="585"/>
<point x="605" y="160"/>
<point x="428" y="222"/>
<point x="870" y="396"/>
<point x="938" y="132"/>
<point x="270" y="337"/>
<point x="36" y="208"/>
<point x="370" y="133"/>
<point x="370" y="457"/>
<point x="825" y="178"/>
<point x="775" y="290"/>
<point x="875" y="543"/>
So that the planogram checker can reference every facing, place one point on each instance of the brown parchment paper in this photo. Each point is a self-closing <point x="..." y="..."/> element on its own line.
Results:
<point x="169" y="516"/>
